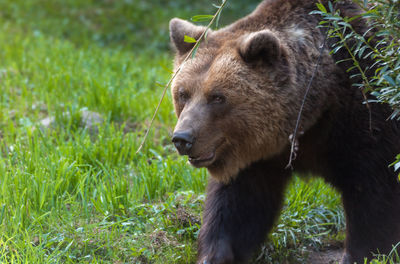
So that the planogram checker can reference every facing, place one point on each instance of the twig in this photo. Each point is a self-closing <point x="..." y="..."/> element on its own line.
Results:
<point x="178" y="70"/>
<point x="294" y="135"/>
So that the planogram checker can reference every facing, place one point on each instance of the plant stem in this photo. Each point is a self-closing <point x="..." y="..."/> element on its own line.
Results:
<point x="188" y="56"/>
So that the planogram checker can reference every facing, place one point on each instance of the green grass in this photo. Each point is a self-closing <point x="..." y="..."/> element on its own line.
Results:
<point x="68" y="195"/>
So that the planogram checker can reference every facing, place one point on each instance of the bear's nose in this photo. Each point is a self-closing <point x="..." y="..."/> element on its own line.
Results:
<point x="183" y="141"/>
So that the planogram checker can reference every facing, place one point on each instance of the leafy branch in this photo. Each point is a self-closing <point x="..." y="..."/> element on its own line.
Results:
<point x="379" y="44"/>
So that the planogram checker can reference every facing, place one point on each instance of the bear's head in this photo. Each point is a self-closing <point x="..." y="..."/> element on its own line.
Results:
<point x="236" y="99"/>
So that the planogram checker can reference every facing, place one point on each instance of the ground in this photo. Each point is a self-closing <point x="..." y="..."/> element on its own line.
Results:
<point x="332" y="256"/>
<point x="71" y="195"/>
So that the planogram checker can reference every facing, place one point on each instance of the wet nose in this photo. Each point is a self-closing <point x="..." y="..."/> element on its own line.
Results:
<point x="183" y="141"/>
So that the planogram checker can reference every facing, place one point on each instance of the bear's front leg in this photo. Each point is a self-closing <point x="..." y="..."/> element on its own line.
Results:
<point x="238" y="215"/>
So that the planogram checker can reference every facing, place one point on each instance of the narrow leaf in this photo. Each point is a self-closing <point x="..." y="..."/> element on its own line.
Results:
<point x="335" y="50"/>
<point x="330" y="7"/>
<point x="217" y="19"/>
<point x="2" y="213"/>
<point x="321" y="7"/>
<point x="194" y="51"/>
<point x="389" y="80"/>
<point x="396" y="166"/>
<point x="202" y="18"/>
<point x="188" y="39"/>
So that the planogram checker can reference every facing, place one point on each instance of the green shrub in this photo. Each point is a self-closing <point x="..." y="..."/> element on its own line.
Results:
<point x="379" y="44"/>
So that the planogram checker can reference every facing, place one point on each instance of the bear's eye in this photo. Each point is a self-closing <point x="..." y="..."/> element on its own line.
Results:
<point x="183" y="96"/>
<point x="217" y="99"/>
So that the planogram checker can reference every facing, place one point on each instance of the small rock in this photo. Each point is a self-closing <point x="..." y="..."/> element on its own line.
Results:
<point x="89" y="120"/>
<point x="47" y="122"/>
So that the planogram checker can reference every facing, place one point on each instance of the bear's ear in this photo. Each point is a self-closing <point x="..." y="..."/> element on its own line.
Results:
<point x="260" y="46"/>
<point x="178" y="28"/>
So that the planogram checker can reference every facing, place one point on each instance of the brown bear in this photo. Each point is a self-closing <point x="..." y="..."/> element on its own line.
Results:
<point x="237" y="102"/>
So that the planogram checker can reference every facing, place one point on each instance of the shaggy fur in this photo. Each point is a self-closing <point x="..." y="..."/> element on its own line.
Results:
<point x="237" y="102"/>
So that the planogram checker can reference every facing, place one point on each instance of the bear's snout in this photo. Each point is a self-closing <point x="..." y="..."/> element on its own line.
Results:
<point x="183" y="141"/>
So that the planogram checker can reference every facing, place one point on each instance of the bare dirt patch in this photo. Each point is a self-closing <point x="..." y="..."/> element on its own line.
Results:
<point x="327" y="256"/>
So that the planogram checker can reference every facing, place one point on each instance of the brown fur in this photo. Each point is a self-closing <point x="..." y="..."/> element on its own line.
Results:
<point x="237" y="101"/>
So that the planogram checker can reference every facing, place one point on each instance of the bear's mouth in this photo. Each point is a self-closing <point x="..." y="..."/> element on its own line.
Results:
<point x="203" y="160"/>
<point x="206" y="159"/>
